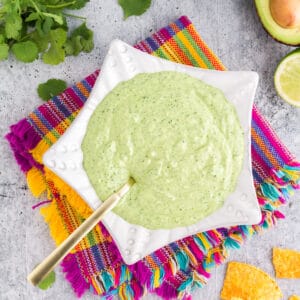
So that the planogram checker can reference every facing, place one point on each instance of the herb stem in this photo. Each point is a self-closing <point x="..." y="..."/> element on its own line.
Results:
<point x="35" y="6"/>
<point x="60" y="5"/>
<point x="74" y="16"/>
<point x="25" y="36"/>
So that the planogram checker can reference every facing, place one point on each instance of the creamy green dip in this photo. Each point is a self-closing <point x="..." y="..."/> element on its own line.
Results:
<point x="179" y="138"/>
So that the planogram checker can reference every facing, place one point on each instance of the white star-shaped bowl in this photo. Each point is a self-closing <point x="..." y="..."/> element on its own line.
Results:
<point x="65" y="157"/>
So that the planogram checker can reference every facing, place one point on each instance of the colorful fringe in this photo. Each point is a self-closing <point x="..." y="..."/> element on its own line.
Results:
<point x="175" y="270"/>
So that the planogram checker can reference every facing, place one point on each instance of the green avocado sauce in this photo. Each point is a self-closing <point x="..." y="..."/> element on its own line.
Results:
<point x="179" y="138"/>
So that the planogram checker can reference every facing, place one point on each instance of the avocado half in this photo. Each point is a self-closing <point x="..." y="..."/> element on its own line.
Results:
<point x="288" y="36"/>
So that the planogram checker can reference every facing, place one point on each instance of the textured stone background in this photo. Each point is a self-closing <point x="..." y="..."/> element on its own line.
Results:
<point x="232" y="29"/>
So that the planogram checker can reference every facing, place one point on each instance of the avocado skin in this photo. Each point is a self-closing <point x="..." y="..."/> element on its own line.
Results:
<point x="267" y="31"/>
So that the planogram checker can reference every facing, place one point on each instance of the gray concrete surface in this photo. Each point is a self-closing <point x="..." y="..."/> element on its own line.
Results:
<point x="232" y="29"/>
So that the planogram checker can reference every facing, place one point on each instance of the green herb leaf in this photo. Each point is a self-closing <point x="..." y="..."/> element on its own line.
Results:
<point x="46" y="27"/>
<point x="32" y="17"/>
<point x="134" y="7"/>
<point x="38" y="26"/>
<point x="51" y="88"/>
<point x="2" y="39"/>
<point x="56" y="53"/>
<point x="3" y="51"/>
<point x="47" y="282"/>
<point x="81" y="39"/>
<point x="42" y="42"/>
<point x="13" y="25"/>
<point x="57" y="18"/>
<point x="25" y="51"/>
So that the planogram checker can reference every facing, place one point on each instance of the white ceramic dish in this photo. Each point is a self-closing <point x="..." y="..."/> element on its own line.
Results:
<point x="65" y="156"/>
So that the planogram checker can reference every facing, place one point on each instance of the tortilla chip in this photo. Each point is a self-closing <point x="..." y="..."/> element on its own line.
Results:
<point x="286" y="263"/>
<point x="294" y="297"/>
<point x="248" y="282"/>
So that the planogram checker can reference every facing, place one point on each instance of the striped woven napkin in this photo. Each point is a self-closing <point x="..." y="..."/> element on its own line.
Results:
<point x="174" y="270"/>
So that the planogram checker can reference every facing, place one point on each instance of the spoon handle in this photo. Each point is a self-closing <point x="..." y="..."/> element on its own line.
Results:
<point x="54" y="258"/>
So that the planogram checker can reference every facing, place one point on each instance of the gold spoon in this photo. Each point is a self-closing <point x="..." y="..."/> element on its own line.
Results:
<point x="54" y="258"/>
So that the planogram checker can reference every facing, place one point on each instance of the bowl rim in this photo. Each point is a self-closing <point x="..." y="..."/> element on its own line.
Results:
<point x="133" y="241"/>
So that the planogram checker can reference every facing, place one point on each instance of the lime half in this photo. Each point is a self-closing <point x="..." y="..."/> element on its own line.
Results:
<point x="287" y="78"/>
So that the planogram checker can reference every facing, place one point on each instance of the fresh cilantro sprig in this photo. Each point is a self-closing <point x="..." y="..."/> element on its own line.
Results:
<point x="51" y="88"/>
<point x="134" y="7"/>
<point x="38" y="28"/>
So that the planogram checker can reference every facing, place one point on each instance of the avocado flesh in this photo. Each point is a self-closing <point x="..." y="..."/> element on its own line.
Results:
<point x="288" y="36"/>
